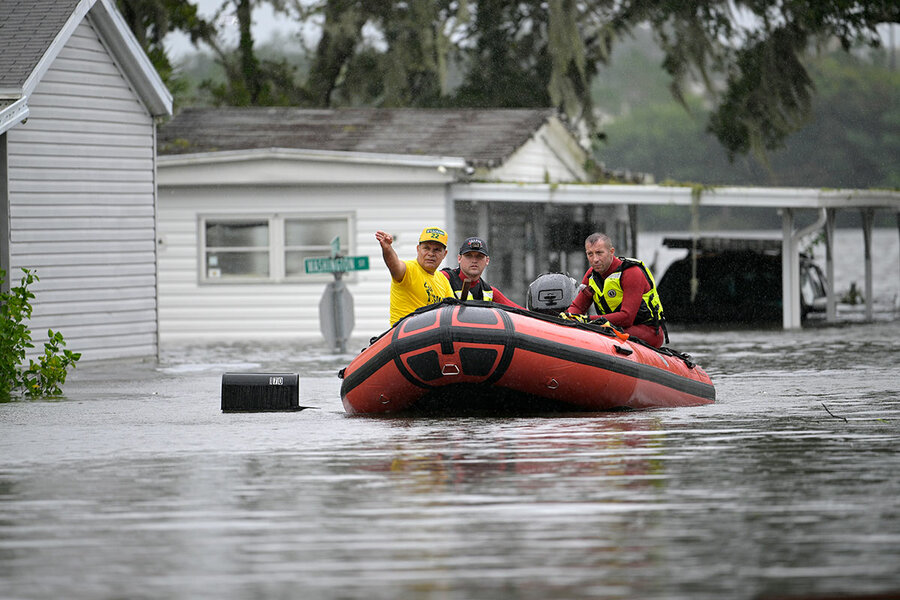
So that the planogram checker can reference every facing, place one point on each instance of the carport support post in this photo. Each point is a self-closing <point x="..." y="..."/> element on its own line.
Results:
<point x="790" y="272"/>
<point x="868" y="216"/>
<point x="633" y="229"/>
<point x="338" y="307"/>
<point x="830" y="300"/>
<point x="484" y="222"/>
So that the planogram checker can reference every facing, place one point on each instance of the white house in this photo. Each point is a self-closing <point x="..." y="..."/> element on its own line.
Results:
<point x="245" y="195"/>
<point x="79" y="101"/>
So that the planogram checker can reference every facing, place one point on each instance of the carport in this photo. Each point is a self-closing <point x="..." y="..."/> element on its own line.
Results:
<point x="787" y="200"/>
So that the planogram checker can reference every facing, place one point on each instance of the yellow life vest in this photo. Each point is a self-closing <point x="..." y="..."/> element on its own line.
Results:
<point x="488" y="295"/>
<point x="481" y="291"/>
<point x="608" y="299"/>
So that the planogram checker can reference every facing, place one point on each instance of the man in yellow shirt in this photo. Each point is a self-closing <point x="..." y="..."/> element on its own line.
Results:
<point x="416" y="283"/>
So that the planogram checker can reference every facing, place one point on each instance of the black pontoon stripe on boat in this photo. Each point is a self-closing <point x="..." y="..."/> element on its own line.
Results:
<point x="446" y="317"/>
<point x="615" y="364"/>
<point x="513" y="340"/>
<point x="509" y="333"/>
<point x="399" y="346"/>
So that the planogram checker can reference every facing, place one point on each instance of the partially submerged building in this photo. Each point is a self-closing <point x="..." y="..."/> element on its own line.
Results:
<point x="79" y="101"/>
<point x="247" y="194"/>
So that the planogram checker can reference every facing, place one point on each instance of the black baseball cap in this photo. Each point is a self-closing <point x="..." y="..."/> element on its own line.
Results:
<point x="474" y="244"/>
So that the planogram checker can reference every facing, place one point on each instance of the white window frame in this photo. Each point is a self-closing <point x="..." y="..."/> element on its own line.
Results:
<point x="276" y="249"/>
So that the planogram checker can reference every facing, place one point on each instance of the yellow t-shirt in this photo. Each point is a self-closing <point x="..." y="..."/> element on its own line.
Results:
<point x="417" y="289"/>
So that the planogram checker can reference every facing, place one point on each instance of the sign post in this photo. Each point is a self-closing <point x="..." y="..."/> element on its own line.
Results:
<point x="336" y="305"/>
<point x="336" y="315"/>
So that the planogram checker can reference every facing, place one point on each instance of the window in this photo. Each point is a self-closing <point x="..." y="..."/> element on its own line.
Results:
<point x="308" y="238"/>
<point x="237" y="249"/>
<point x="268" y="248"/>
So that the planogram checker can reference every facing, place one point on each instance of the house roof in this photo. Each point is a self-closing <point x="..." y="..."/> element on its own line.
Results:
<point x="27" y="29"/>
<point x="32" y="34"/>
<point x="484" y="137"/>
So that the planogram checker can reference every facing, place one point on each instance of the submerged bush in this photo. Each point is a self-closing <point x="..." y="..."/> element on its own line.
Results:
<point x="43" y="377"/>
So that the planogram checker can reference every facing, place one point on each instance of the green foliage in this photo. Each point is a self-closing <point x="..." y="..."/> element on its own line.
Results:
<point x="249" y="80"/>
<point x="261" y="83"/>
<point x="15" y="337"/>
<point x="661" y="139"/>
<point x="768" y="95"/>
<point x="756" y="48"/>
<point x="853" y="134"/>
<point x="749" y="55"/>
<point x="152" y="20"/>
<point x="631" y="77"/>
<point x="509" y="66"/>
<point x="43" y="377"/>
<point x="847" y="142"/>
<point x="405" y="62"/>
<point x="46" y="376"/>
<point x="206" y="83"/>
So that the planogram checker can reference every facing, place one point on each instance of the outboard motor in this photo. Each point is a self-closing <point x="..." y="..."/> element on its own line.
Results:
<point x="551" y="293"/>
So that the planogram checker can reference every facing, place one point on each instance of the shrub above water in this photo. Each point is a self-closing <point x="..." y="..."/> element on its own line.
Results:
<point x="43" y="377"/>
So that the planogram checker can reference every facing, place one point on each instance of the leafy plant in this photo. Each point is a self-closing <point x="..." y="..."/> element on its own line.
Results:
<point x="854" y="117"/>
<point x="15" y="337"/>
<point x="43" y="377"/>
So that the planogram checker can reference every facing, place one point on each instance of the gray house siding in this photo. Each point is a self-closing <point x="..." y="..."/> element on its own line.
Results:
<point x="192" y="310"/>
<point x="389" y="169"/>
<point x="82" y="204"/>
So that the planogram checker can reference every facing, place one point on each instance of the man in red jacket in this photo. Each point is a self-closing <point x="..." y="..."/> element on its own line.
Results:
<point x="473" y="258"/>
<point x="622" y="290"/>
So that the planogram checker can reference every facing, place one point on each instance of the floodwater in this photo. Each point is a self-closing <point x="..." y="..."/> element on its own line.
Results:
<point x="136" y="485"/>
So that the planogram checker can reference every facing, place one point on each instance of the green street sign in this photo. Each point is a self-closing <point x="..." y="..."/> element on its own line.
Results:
<point x="332" y="265"/>
<point x="335" y="246"/>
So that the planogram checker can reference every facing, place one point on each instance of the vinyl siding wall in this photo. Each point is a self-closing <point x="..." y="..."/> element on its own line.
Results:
<point x="82" y="205"/>
<point x="193" y="311"/>
<point x="551" y="155"/>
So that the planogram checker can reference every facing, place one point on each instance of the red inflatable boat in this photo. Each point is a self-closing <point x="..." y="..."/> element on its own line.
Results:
<point x="480" y="354"/>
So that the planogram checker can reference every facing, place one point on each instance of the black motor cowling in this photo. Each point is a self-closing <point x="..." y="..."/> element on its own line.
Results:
<point x="551" y="293"/>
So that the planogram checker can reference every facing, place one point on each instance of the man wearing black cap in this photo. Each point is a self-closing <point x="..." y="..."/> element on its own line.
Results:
<point x="473" y="259"/>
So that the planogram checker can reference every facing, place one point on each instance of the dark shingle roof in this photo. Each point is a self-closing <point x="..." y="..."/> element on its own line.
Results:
<point x="481" y="136"/>
<point x="27" y="28"/>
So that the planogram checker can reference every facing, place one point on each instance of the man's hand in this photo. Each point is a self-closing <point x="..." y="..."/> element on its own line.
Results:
<point x="385" y="239"/>
<point x="571" y="317"/>
<point x="396" y="266"/>
<point x="597" y="320"/>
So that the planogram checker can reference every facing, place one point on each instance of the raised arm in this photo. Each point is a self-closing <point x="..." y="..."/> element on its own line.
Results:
<point x="396" y="266"/>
